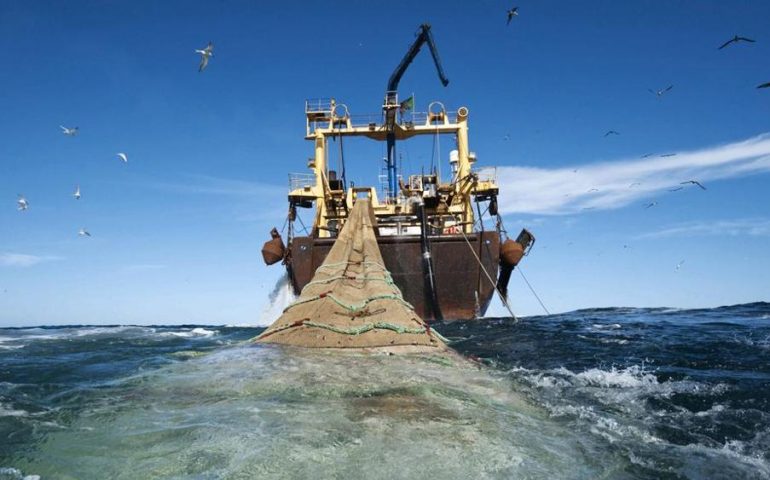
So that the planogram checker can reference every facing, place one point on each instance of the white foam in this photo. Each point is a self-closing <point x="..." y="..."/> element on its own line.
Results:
<point x="612" y="326"/>
<point x="279" y="298"/>
<point x="631" y="377"/>
<point x="195" y="332"/>
<point x="6" y="411"/>
<point x="15" y="473"/>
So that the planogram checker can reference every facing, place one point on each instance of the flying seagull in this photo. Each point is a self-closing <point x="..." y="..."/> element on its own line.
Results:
<point x="661" y="92"/>
<point x="514" y="12"/>
<point x="22" y="203"/>
<point x="70" y="132"/>
<point x="735" y="39"/>
<point x="592" y="190"/>
<point x="668" y="155"/>
<point x="123" y="157"/>
<point x="77" y="193"/>
<point x="652" y="204"/>
<point x="646" y="155"/>
<point x="675" y="189"/>
<point x="679" y="265"/>
<point x="694" y="182"/>
<point x="205" y="54"/>
<point x="611" y="132"/>
<point x="83" y="233"/>
<point x="764" y="85"/>
<point x="634" y="184"/>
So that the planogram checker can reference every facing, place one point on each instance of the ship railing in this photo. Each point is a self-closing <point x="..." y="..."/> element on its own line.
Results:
<point x="486" y="174"/>
<point x="316" y="105"/>
<point x="421" y="118"/>
<point x="301" y="180"/>
<point x="375" y="121"/>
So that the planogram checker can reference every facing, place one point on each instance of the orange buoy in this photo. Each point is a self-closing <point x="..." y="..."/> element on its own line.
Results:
<point x="511" y="253"/>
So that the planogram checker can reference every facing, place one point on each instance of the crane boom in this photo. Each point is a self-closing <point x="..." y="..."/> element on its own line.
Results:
<point x="425" y="36"/>
<point x="391" y="104"/>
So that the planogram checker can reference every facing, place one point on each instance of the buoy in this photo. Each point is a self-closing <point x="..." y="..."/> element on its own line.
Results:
<point x="274" y="249"/>
<point x="511" y="253"/>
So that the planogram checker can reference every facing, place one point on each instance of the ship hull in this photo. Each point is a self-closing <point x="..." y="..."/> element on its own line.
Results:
<point x="463" y="290"/>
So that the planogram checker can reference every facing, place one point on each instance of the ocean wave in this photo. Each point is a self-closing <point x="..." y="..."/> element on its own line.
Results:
<point x="7" y="411"/>
<point x="195" y="332"/>
<point x="10" y="473"/>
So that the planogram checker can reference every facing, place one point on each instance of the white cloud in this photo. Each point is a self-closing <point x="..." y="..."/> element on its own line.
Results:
<point x="143" y="267"/>
<point x="8" y="259"/>
<point x="759" y="227"/>
<point x="609" y="185"/>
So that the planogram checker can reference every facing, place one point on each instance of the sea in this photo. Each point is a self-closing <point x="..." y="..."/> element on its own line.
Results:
<point x="612" y="393"/>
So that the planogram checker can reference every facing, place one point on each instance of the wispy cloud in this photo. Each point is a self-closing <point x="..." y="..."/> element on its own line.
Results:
<point x="143" y="267"/>
<point x="8" y="259"/>
<point x="758" y="227"/>
<point x="609" y="185"/>
<point x="208" y="185"/>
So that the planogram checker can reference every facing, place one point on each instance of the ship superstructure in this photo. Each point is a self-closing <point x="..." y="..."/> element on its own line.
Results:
<point x="429" y="229"/>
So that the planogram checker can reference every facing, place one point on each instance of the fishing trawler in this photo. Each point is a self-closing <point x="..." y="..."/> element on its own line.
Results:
<point x="433" y="243"/>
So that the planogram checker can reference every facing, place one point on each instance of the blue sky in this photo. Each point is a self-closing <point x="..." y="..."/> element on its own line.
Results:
<point x="176" y="232"/>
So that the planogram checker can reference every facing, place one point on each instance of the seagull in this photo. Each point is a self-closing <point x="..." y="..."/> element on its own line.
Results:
<point x="679" y="265"/>
<point x="205" y="54"/>
<point x="764" y="85"/>
<point x="611" y="132"/>
<point x="123" y="157"/>
<point x="735" y="39"/>
<point x="70" y="132"/>
<point x="83" y="233"/>
<point x="592" y="190"/>
<point x="652" y="204"/>
<point x="646" y="155"/>
<point x="668" y="155"/>
<point x="675" y="189"/>
<point x="77" y="193"/>
<point x="22" y="203"/>
<point x="661" y="92"/>
<point x="506" y="137"/>
<point x="634" y="184"/>
<point x="694" y="182"/>
<point x="514" y="12"/>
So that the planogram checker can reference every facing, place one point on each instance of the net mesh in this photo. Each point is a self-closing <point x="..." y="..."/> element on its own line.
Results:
<point x="352" y="301"/>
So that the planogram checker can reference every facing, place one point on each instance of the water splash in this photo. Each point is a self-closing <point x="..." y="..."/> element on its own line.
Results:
<point x="279" y="298"/>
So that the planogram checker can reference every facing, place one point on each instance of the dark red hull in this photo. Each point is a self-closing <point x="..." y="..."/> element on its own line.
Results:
<point x="462" y="288"/>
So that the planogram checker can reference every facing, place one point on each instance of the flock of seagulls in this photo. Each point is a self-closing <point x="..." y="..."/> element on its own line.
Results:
<point x="22" y="204"/>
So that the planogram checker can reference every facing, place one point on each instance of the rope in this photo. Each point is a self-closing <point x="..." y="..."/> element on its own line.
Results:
<point x="351" y="307"/>
<point x="303" y="224"/>
<point x="492" y="282"/>
<point x="489" y="277"/>
<point x="533" y="291"/>
<point x="346" y="263"/>
<point x="387" y="280"/>
<point x="367" y="327"/>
